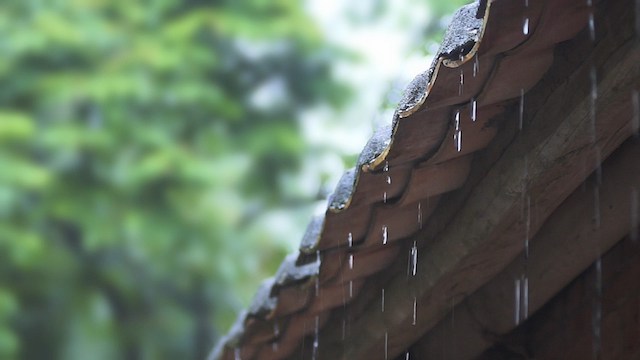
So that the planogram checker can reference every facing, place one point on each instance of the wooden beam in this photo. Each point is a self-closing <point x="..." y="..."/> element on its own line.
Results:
<point x="568" y="242"/>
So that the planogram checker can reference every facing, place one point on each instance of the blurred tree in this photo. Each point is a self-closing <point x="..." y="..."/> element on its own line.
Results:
<point x="132" y="136"/>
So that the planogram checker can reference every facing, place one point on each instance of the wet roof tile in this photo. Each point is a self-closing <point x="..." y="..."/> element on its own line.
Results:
<point x="405" y="170"/>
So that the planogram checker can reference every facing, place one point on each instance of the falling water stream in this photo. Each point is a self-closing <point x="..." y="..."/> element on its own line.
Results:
<point x="457" y="136"/>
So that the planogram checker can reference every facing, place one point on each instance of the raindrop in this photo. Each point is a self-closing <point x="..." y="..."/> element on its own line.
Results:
<point x="276" y="330"/>
<point x="460" y="88"/>
<point x="344" y="329"/>
<point x="386" y="166"/>
<point x="521" y="113"/>
<point x="317" y="286"/>
<point x="350" y="288"/>
<point x="476" y="65"/>
<point x="415" y="310"/>
<point x="420" y="215"/>
<point x="526" y="3"/>
<point x="516" y="313"/>
<point x="525" y="297"/>
<point x="350" y="239"/>
<point x="597" y="311"/>
<point x="388" y="179"/>
<point x="406" y="357"/>
<point x="386" y="345"/>
<point x="527" y="228"/>
<point x="635" y="221"/>
<point x="384" y="197"/>
<point x="592" y="27"/>
<point x="385" y="234"/>
<point x="414" y="258"/>
<point x="525" y="26"/>
<point x="350" y="261"/>
<point x="236" y="354"/>
<point x="274" y="346"/>
<point x="315" y="339"/>
<point x="635" y="103"/>
<point x="637" y="17"/>
<point x="474" y="109"/>
<point x="382" y="300"/>
<point x="594" y="96"/>
<point x="457" y="136"/>
<point x="596" y="207"/>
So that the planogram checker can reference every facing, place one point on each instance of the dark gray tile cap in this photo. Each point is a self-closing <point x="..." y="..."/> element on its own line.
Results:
<point x="290" y="273"/>
<point x="232" y="339"/>
<point x="461" y="35"/>
<point x="375" y="146"/>
<point x="311" y="236"/>
<point x="344" y="190"/>
<point x="263" y="303"/>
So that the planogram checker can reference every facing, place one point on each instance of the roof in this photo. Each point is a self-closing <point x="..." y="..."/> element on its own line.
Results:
<point x="437" y="204"/>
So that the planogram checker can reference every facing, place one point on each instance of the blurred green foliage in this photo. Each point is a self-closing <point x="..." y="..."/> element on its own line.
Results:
<point x="133" y="134"/>
<point x="139" y="142"/>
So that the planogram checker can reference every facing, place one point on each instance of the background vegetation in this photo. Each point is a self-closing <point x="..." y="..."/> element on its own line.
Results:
<point x="150" y="161"/>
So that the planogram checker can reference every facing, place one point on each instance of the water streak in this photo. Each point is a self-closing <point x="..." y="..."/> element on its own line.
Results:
<point x="635" y="220"/>
<point x="521" y="113"/>
<point x="350" y="261"/>
<point x="597" y="311"/>
<point x="350" y="239"/>
<point x="516" y="314"/>
<point x="457" y="136"/>
<point x="476" y="64"/>
<point x="414" y="258"/>
<point x="525" y="26"/>
<point x="415" y="310"/>
<point x="635" y="103"/>
<point x="461" y="87"/>
<point x="236" y="354"/>
<point x="386" y="345"/>
<point x="382" y="300"/>
<point x="637" y="18"/>
<point x="350" y="288"/>
<point x="315" y="339"/>
<point x="593" y="98"/>
<point x="474" y="109"/>
<point x="388" y="180"/>
<point x="385" y="234"/>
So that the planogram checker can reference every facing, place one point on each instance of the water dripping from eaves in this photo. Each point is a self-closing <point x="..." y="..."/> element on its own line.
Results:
<point x="415" y="311"/>
<point x="414" y="258"/>
<point x="315" y="338"/>
<point x="525" y="26"/>
<point x="593" y="77"/>
<point x="592" y="23"/>
<point x="521" y="110"/>
<point x="596" y="316"/>
<point x="474" y="109"/>
<point x="385" y="234"/>
<point x="476" y="64"/>
<point x="386" y="345"/>
<point x="633" y="213"/>
<point x="635" y="104"/>
<point x="457" y="136"/>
